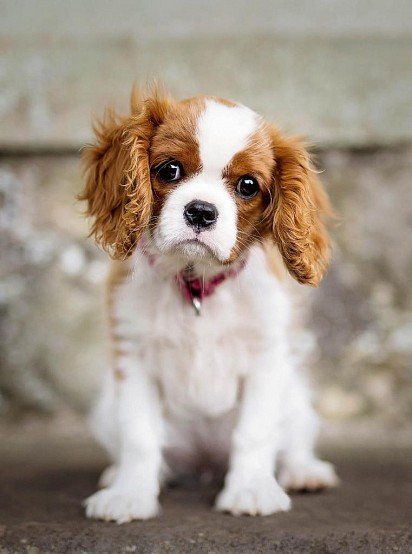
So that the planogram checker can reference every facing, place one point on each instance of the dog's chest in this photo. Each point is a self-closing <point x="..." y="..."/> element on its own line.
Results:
<point x="200" y="359"/>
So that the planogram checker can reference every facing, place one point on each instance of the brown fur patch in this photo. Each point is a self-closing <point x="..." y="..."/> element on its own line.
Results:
<point x="274" y="260"/>
<point x="290" y="209"/>
<point x="118" y="189"/>
<point x="257" y="161"/>
<point x="298" y="211"/>
<point x="119" y="374"/>
<point x="119" y="271"/>
<point x="175" y="139"/>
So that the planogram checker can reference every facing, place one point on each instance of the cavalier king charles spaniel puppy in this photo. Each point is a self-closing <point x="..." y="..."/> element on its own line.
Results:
<point x="202" y="203"/>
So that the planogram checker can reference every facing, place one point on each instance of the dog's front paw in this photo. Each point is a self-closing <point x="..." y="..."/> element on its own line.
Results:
<point x="313" y="475"/>
<point x="260" y="496"/>
<point x="120" y="506"/>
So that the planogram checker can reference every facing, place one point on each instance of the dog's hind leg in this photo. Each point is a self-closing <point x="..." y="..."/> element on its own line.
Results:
<point x="108" y="476"/>
<point x="299" y="468"/>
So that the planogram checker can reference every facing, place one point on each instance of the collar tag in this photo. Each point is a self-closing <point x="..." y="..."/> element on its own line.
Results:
<point x="197" y="304"/>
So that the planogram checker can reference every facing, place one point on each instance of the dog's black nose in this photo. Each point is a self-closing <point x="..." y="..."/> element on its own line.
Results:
<point x="200" y="214"/>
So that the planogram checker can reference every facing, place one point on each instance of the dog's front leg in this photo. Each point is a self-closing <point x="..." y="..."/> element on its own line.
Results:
<point x="250" y="484"/>
<point x="135" y="488"/>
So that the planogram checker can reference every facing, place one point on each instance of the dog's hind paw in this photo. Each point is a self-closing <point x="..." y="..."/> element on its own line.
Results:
<point x="313" y="475"/>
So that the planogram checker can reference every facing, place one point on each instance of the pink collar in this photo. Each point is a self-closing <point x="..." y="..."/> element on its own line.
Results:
<point x="194" y="290"/>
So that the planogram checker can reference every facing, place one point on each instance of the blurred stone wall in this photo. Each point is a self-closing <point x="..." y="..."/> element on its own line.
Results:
<point x="339" y="72"/>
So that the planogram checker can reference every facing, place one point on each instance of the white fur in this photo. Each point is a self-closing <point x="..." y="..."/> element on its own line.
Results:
<point x="223" y="384"/>
<point x="172" y="230"/>
<point x="222" y="388"/>
<point x="222" y="131"/>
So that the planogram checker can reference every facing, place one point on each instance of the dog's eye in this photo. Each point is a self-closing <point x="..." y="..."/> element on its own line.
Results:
<point x="247" y="187"/>
<point x="170" y="171"/>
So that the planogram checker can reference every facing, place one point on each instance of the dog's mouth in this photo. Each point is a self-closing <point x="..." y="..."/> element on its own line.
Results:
<point x="195" y="248"/>
<point x="189" y="247"/>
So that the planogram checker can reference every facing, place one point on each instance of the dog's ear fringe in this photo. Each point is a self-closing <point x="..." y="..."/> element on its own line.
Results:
<point x="116" y="167"/>
<point x="300" y="210"/>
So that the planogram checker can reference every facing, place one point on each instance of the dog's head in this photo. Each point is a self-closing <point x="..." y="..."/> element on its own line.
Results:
<point x="204" y="178"/>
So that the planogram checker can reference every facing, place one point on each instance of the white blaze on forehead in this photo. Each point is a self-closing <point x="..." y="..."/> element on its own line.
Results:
<point x="222" y="131"/>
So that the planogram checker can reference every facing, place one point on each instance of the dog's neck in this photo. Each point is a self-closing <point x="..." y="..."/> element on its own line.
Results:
<point x="196" y="279"/>
<point x="195" y="289"/>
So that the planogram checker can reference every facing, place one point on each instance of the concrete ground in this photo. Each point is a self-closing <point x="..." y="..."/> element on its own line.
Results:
<point x="44" y="477"/>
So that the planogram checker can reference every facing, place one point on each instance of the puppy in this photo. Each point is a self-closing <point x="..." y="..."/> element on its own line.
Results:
<point x="196" y="200"/>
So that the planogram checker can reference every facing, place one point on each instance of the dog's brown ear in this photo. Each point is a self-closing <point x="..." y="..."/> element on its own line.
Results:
<point x="300" y="206"/>
<point x="118" y="190"/>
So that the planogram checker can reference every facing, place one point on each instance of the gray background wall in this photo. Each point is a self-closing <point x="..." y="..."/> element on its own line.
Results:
<point x="340" y="72"/>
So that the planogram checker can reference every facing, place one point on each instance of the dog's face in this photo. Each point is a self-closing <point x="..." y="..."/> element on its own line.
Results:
<point x="205" y="178"/>
<point x="209" y="179"/>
